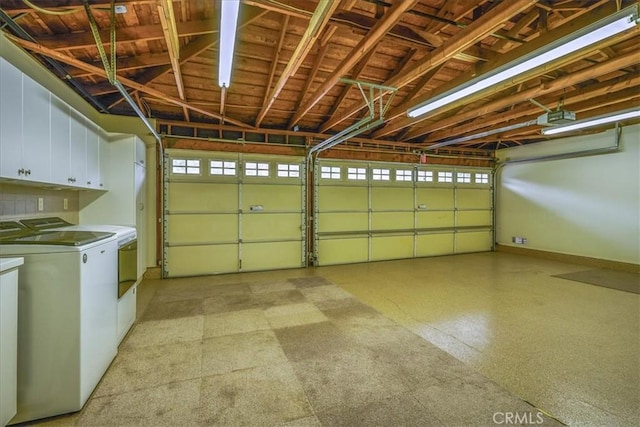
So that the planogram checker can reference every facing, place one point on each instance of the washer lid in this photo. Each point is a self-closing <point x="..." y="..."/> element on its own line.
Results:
<point x="63" y="238"/>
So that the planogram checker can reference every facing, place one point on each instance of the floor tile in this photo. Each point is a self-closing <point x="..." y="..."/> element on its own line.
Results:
<point x="309" y="282"/>
<point x="271" y="286"/>
<point x="159" y="332"/>
<point x="170" y="404"/>
<point x="399" y="410"/>
<point x="314" y="340"/>
<point x="240" y="351"/>
<point x="173" y="309"/>
<point x="146" y="367"/>
<point x="348" y="378"/>
<point x="283" y="316"/>
<point x="234" y="322"/>
<point x="261" y="396"/>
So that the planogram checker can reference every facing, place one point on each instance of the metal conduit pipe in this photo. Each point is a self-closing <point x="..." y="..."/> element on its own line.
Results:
<point x="571" y="155"/>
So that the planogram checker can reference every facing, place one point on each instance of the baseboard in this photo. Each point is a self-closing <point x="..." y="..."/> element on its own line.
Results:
<point x="573" y="259"/>
<point x="153" y="273"/>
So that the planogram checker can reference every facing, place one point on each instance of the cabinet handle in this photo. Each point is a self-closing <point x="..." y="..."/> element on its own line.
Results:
<point x="101" y="185"/>
<point x="88" y="182"/>
<point x="20" y="171"/>
<point x="27" y="172"/>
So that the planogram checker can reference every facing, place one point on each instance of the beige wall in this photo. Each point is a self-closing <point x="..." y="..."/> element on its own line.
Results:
<point x="586" y="206"/>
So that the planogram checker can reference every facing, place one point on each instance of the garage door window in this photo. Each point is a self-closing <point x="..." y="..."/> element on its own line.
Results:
<point x="330" y="172"/>
<point x="219" y="167"/>
<point x="359" y="174"/>
<point x="256" y="169"/>
<point x="185" y="167"/>
<point x="380" y="174"/>
<point x="425" y="176"/>
<point x="482" y="178"/>
<point x="288" y="171"/>
<point x="464" y="177"/>
<point x="445" y="176"/>
<point x="404" y="175"/>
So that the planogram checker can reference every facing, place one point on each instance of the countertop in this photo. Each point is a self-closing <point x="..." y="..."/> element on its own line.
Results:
<point x="9" y="263"/>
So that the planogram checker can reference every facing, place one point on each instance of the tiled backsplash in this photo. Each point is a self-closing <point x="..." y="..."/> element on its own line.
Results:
<point x="21" y="201"/>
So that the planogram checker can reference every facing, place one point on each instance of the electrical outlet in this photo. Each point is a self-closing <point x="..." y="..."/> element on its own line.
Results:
<point x="519" y="240"/>
<point x="65" y="203"/>
<point x="40" y="203"/>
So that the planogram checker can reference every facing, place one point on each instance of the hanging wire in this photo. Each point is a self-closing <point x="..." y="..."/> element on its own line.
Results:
<point x="52" y="12"/>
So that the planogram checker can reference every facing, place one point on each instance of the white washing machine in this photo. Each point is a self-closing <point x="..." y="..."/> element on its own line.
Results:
<point x="127" y="280"/>
<point x="67" y="316"/>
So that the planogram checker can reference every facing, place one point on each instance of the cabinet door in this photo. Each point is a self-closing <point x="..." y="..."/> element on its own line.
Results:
<point x="60" y="161"/>
<point x="93" y="158"/>
<point x="104" y="162"/>
<point x="36" y="145"/>
<point x="10" y="120"/>
<point x="78" y="147"/>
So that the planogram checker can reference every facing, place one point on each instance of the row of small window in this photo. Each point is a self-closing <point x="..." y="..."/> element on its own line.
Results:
<point x="229" y="168"/>
<point x="360" y="174"/>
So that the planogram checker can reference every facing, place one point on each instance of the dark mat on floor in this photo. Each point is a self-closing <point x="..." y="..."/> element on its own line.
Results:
<point x="620" y="280"/>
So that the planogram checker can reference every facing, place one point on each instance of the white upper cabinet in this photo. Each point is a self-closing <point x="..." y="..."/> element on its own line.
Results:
<point x="36" y="143"/>
<point x="93" y="158"/>
<point x="43" y="139"/>
<point x="10" y="121"/>
<point x="24" y="127"/>
<point x="60" y="150"/>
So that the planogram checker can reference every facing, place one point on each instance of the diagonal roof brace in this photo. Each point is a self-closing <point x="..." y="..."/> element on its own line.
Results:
<point x="367" y="122"/>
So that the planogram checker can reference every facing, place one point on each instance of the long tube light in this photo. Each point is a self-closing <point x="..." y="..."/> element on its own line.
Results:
<point x="614" y="24"/>
<point x="228" y="26"/>
<point x="619" y="116"/>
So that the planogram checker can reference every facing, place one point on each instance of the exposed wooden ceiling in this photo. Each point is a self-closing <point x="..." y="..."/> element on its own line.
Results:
<point x="292" y="54"/>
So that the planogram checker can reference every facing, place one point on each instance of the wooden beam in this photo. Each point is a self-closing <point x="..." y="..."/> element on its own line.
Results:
<point x="274" y="62"/>
<point x="548" y="87"/>
<point x="317" y="23"/>
<point x="619" y="89"/>
<point x="375" y="35"/>
<point x="170" y="31"/>
<point x="34" y="47"/>
<point x="504" y="59"/>
<point x="476" y="31"/>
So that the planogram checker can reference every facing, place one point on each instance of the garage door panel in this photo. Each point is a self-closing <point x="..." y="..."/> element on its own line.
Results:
<point x="343" y="198"/>
<point x="201" y="260"/>
<point x="391" y="198"/>
<point x="469" y="218"/>
<point x="473" y="241"/>
<point x="391" y="247"/>
<point x="391" y="220"/>
<point x="435" y="198"/>
<point x="473" y="198"/>
<point x="340" y="222"/>
<point x="203" y="228"/>
<point x="266" y="226"/>
<point x="197" y="197"/>
<point x="272" y="197"/>
<point x="434" y="244"/>
<point x="343" y="251"/>
<point x="437" y="219"/>
<point x="271" y="255"/>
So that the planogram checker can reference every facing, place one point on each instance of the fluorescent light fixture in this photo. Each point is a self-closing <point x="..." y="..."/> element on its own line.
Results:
<point x="594" y="121"/>
<point x="596" y="32"/>
<point x="228" y="26"/>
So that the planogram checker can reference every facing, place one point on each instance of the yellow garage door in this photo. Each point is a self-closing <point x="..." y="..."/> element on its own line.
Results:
<point x="381" y="211"/>
<point x="230" y="212"/>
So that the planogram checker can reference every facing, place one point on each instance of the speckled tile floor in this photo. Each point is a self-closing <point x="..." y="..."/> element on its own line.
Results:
<point x="454" y="341"/>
